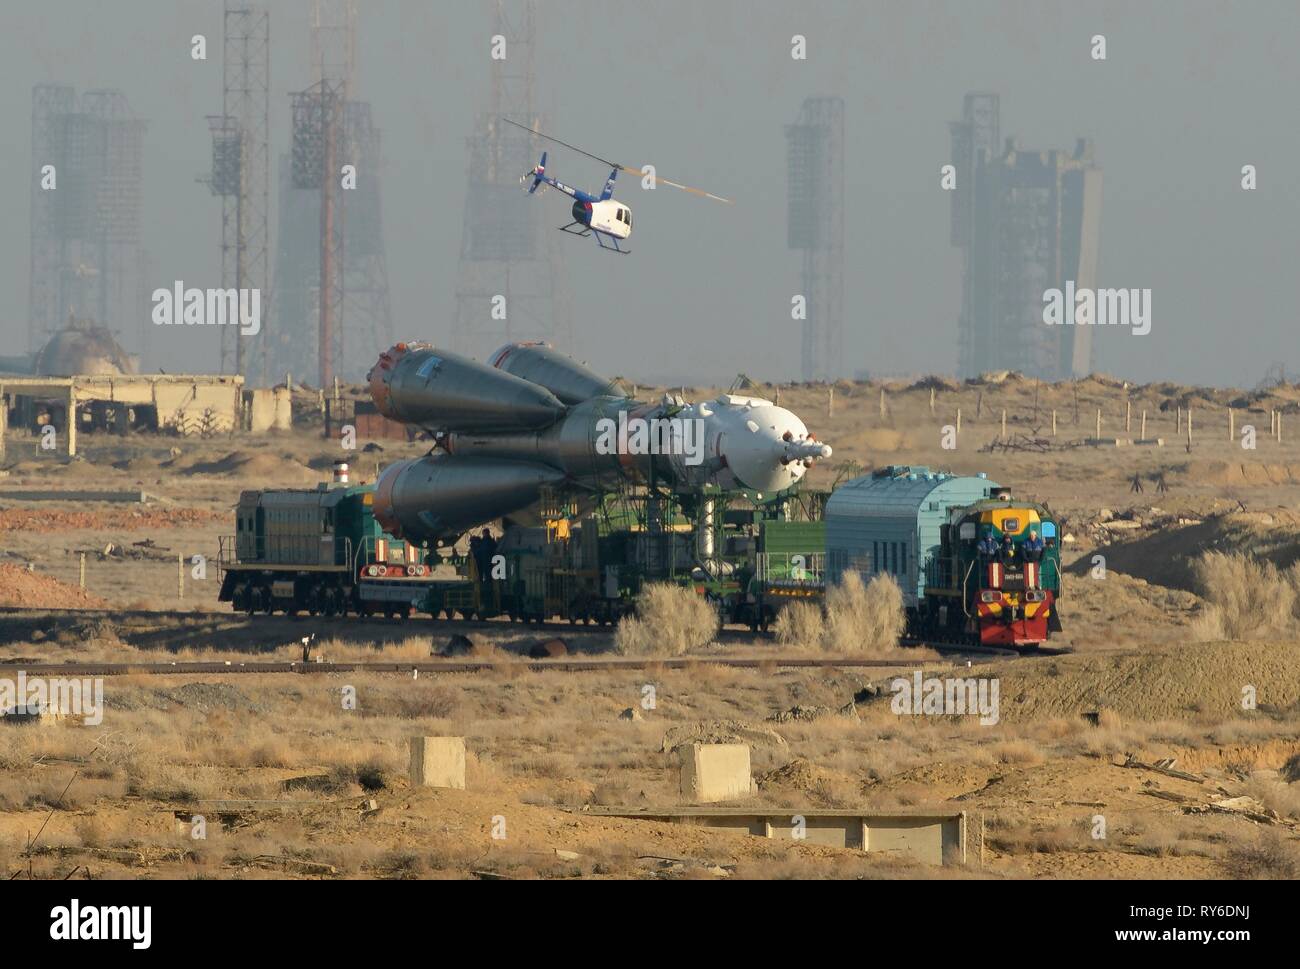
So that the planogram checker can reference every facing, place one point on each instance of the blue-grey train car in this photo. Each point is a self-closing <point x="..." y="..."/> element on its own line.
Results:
<point x="889" y="522"/>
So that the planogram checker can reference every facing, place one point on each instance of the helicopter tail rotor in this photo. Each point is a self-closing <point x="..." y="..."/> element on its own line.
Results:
<point x="537" y="174"/>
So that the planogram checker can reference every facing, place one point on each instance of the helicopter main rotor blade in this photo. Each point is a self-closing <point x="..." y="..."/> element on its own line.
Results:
<point x="622" y="168"/>
<point x="684" y="188"/>
<point x="533" y="131"/>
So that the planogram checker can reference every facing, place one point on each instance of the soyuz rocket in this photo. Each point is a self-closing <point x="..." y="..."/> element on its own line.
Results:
<point x="534" y="419"/>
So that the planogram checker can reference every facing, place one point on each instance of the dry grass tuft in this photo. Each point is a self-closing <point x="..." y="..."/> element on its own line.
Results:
<point x="862" y="618"/>
<point x="800" y="624"/>
<point x="1246" y="597"/>
<point x="856" y="617"/>
<point x="670" y="619"/>
<point x="1268" y="857"/>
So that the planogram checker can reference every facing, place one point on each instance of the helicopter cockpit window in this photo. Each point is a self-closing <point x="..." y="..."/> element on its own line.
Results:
<point x="627" y="213"/>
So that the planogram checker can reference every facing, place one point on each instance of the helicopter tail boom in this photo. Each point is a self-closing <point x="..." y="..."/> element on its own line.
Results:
<point x="608" y="192"/>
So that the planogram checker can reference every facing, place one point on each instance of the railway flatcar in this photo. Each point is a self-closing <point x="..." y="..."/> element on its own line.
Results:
<point x="974" y="564"/>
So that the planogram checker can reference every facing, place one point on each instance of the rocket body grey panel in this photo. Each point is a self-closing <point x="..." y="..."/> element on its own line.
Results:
<point x="567" y="379"/>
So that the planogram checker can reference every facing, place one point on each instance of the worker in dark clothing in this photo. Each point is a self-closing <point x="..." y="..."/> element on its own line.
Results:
<point x="988" y="546"/>
<point x="476" y="553"/>
<point x="1032" y="547"/>
<point x="1008" y="549"/>
<point x="487" y="550"/>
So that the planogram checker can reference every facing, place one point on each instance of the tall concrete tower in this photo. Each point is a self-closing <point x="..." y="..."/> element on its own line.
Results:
<point x="86" y="192"/>
<point x="815" y="152"/>
<point x="1027" y="221"/>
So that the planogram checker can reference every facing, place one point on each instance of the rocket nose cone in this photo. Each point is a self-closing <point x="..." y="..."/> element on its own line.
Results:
<point x="380" y="376"/>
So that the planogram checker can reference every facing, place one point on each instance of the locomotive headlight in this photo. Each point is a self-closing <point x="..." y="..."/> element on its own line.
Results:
<point x="1035" y="595"/>
<point x="372" y="570"/>
<point x="989" y="595"/>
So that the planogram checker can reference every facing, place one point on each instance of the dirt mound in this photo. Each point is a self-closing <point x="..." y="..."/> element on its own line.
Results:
<point x="1175" y="682"/>
<point x="1234" y="473"/>
<point x="994" y="378"/>
<point x="1123" y="610"/>
<point x="936" y="782"/>
<point x="256" y="466"/>
<point x="207" y="697"/>
<point x="802" y="779"/>
<point x="35" y="590"/>
<point x="935" y="382"/>
<point x="1277" y="754"/>
<point x="720" y="732"/>
<point x="1165" y="556"/>
<point x="808" y="714"/>
<point x="1103" y="380"/>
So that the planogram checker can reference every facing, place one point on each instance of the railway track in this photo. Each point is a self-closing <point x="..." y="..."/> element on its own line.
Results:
<point x="171" y="627"/>
<point x="977" y="650"/>
<point x="450" y="666"/>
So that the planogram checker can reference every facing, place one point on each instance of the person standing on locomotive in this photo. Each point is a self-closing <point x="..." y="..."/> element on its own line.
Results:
<point x="988" y="546"/>
<point x="1008" y="550"/>
<point x="1032" y="547"/>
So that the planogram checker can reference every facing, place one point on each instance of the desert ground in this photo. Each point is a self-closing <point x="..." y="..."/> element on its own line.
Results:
<point x="1129" y="754"/>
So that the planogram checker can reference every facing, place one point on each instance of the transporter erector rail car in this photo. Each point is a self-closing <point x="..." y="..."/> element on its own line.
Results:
<point x="974" y="563"/>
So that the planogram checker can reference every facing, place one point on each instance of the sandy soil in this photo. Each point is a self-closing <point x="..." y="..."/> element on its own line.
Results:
<point x="1063" y="762"/>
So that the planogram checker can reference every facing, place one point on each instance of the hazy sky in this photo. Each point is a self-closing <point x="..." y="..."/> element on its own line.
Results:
<point x="1189" y="93"/>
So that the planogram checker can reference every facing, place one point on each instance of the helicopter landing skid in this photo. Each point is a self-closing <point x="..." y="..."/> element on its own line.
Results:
<point x="586" y="230"/>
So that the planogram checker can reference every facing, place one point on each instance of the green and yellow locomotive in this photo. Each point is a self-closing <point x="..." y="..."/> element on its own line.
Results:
<point x="318" y="551"/>
<point x="974" y="564"/>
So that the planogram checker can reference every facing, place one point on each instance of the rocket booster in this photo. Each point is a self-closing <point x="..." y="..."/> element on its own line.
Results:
<point x="440" y="391"/>
<point x="537" y="419"/>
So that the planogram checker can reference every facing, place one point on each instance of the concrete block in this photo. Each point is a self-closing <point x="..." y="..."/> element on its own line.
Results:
<point x="714" y="772"/>
<point x="438" y="762"/>
<point x="269" y="410"/>
<point x="283" y="420"/>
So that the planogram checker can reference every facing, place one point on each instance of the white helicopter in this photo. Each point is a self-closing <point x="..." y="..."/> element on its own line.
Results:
<point x="601" y="215"/>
